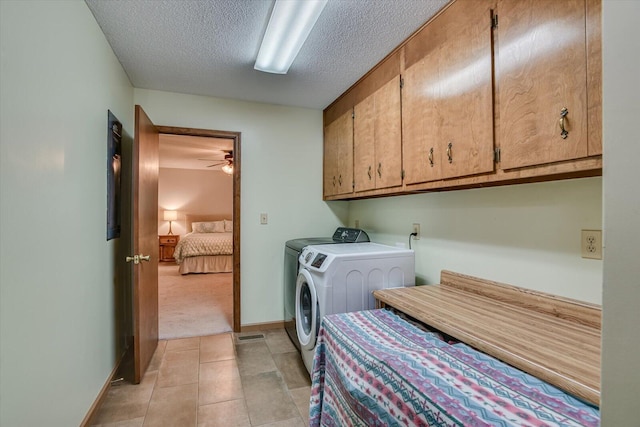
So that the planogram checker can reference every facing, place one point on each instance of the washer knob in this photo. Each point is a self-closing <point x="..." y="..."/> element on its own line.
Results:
<point x="308" y="257"/>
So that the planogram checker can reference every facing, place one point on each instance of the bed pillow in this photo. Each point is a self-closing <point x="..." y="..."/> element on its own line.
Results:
<point x="228" y="226"/>
<point x="208" y="227"/>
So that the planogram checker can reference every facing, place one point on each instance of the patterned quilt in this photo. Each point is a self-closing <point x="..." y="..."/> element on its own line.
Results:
<point x="372" y="368"/>
<point x="197" y="244"/>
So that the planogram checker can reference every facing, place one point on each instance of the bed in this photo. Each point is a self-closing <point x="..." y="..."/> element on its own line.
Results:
<point x="208" y="248"/>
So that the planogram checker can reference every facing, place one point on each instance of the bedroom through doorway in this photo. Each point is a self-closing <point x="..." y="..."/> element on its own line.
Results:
<point x="197" y="284"/>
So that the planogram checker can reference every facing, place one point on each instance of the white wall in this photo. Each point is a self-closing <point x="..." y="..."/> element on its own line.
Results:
<point x="193" y="192"/>
<point x="281" y="159"/>
<point x="58" y="77"/>
<point x="621" y="300"/>
<point x="525" y="235"/>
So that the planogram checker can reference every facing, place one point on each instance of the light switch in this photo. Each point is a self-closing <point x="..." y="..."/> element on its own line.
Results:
<point x="264" y="218"/>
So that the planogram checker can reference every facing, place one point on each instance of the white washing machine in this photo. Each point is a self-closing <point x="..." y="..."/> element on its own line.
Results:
<point x="342" y="278"/>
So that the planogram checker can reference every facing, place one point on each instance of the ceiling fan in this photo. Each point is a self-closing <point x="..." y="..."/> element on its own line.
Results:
<point x="227" y="162"/>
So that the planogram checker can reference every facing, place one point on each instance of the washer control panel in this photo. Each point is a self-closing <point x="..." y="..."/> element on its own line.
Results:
<point x="349" y="235"/>
<point x="313" y="260"/>
<point x="318" y="260"/>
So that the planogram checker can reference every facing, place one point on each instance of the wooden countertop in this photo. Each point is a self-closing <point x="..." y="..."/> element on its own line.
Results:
<point x="553" y="338"/>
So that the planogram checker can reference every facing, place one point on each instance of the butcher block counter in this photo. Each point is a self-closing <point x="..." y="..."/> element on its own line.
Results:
<point x="553" y="338"/>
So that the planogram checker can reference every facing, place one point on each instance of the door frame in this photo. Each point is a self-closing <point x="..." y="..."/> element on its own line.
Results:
<point x="235" y="136"/>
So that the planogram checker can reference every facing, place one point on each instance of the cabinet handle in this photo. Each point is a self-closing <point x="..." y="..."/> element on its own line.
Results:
<point x="431" y="156"/>
<point x="334" y="180"/>
<point x="449" y="155"/>
<point x="340" y="180"/>
<point x="380" y="170"/>
<point x="563" y="113"/>
<point x="369" y="172"/>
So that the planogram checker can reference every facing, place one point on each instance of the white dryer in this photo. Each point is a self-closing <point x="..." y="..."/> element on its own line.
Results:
<point x="341" y="279"/>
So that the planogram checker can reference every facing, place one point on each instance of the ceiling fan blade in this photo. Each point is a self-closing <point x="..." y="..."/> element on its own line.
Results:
<point x="214" y="165"/>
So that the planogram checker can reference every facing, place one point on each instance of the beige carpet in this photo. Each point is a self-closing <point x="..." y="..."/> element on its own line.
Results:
<point x="194" y="304"/>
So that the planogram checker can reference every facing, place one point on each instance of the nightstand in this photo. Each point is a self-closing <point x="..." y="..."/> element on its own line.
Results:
<point x="168" y="244"/>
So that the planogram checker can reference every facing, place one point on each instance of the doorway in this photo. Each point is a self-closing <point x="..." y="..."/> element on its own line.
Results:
<point x="233" y="139"/>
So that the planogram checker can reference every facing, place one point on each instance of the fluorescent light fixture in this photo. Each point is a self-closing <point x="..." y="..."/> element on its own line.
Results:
<point x="289" y="26"/>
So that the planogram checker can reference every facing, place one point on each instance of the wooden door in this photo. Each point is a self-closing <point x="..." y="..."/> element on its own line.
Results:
<point x="465" y="90"/>
<point x="377" y="139"/>
<point x="345" y="153"/>
<point x="420" y="123"/>
<point x="388" y="135"/>
<point x="447" y="97"/>
<point x="541" y="70"/>
<point x="328" y="163"/>
<point x="338" y="152"/>
<point x="145" y="241"/>
<point x="364" y="156"/>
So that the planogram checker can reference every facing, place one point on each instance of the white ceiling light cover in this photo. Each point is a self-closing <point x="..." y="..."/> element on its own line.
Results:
<point x="289" y="26"/>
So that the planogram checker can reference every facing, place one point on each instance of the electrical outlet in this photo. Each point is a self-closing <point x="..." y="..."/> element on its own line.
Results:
<point x="592" y="244"/>
<point x="264" y="218"/>
<point x="416" y="229"/>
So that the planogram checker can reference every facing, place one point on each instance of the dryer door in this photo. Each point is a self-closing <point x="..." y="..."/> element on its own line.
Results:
<point x="307" y="313"/>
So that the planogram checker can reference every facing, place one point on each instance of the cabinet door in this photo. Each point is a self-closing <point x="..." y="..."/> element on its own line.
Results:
<point x="420" y="124"/>
<point x="364" y="145"/>
<point x="465" y="92"/>
<point x="447" y="98"/>
<point x="388" y="135"/>
<point x="541" y="71"/>
<point x="330" y="165"/>
<point x="377" y="139"/>
<point x="338" y="156"/>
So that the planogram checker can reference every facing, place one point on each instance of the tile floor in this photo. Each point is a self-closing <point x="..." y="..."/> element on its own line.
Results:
<point x="216" y="380"/>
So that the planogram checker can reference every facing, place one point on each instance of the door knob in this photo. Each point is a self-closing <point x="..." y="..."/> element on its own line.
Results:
<point x="137" y="258"/>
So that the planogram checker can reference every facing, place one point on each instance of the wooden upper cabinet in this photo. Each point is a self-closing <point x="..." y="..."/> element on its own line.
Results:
<point x="541" y="78"/>
<point x="447" y="98"/>
<point x="594" y="76"/>
<point x="420" y="126"/>
<point x="524" y="76"/>
<point x="338" y="155"/>
<point x="378" y="139"/>
<point x="388" y="129"/>
<point x="364" y="153"/>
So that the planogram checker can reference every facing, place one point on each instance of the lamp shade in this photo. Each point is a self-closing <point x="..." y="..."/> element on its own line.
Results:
<point x="170" y="215"/>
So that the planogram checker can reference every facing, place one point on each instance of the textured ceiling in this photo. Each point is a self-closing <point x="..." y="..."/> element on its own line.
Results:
<point x="208" y="47"/>
<point x="188" y="152"/>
